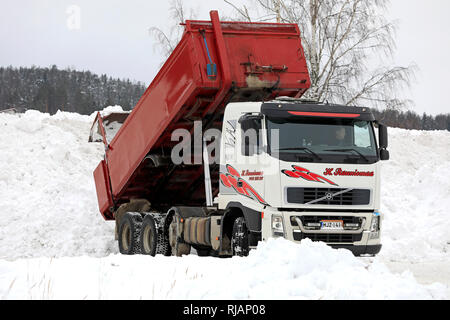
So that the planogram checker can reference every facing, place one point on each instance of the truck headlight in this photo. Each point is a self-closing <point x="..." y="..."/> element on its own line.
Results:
<point x="375" y="224"/>
<point x="277" y="226"/>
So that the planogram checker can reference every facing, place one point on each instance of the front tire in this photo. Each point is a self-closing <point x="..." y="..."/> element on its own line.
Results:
<point x="239" y="238"/>
<point x="129" y="233"/>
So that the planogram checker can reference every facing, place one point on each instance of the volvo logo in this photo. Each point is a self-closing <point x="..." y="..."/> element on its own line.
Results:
<point x="329" y="196"/>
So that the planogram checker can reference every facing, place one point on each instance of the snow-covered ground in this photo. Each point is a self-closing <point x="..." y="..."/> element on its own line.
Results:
<point x="55" y="244"/>
<point x="278" y="269"/>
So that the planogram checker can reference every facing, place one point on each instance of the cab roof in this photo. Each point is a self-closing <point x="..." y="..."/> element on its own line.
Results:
<point x="281" y="109"/>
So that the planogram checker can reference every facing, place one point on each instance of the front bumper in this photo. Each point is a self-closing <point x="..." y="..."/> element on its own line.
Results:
<point x="359" y="242"/>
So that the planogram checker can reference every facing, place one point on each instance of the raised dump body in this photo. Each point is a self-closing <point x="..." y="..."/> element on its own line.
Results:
<point x="215" y="63"/>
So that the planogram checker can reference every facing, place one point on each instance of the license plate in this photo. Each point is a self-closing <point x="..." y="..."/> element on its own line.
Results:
<point x="332" y="225"/>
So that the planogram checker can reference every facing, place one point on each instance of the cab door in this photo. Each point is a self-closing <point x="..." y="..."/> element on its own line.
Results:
<point x="243" y="174"/>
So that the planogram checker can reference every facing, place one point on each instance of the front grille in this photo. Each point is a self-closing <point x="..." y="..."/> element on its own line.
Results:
<point x="354" y="197"/>
<point x="328" y="238"/>
<point x="317" y="219"/>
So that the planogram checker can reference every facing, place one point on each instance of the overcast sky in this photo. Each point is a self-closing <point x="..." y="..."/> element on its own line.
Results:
<point x="112" y="38"/>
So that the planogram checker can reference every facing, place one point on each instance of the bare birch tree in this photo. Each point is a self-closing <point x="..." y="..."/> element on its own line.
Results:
<point x="347" y="43"/>
<point x="166" y="41"/>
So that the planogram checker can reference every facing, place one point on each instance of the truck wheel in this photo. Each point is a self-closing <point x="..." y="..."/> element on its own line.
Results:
<point x="163" y="245"/>
<point x="149" y="236"/>
<point x="239" y="238"/>
<point x="129" y="233"/>
<point x="177" y="248"/>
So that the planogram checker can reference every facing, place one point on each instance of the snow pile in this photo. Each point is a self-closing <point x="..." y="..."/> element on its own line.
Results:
<point x="416" y="196"/>
<point x="47" y="193"/>
<point x="278" y="269"/>
<point x="112" y="109"/>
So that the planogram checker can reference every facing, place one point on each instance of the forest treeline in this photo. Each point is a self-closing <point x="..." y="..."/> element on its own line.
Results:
<point x="411" y="120"/>
<point x="50" y="89"/>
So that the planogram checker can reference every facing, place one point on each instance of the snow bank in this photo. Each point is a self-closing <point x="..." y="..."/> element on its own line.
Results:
<point x="47" y="194"/>
<point x="416" y="196"/>
<point x="278" y="269"/>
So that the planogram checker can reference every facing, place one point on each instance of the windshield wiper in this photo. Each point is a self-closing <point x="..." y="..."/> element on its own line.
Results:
<point x="350" y="150"/>
<point x="301" y="149"/>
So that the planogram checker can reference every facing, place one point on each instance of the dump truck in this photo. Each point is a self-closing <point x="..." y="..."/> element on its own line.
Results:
<point x="280" y="165"/>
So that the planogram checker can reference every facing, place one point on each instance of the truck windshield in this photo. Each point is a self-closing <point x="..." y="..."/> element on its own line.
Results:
<point x="322" y="140"/>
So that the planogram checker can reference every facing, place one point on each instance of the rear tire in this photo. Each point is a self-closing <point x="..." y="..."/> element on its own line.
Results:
<point x="154" y="239"/>
<point x="239" y="238"/>
<point x="149" y="236"/>
<point x="129" y="233"/>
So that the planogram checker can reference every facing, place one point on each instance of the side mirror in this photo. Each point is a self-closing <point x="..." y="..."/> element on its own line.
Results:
<point x="384" y="155"/>
<point x="247" y="121"/>
<point x="383" y="136"/>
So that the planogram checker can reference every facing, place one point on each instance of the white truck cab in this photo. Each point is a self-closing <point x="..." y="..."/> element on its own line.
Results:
<point x="304" y="170"/>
